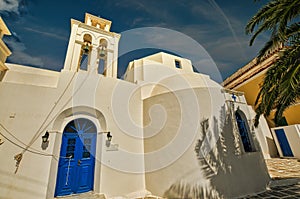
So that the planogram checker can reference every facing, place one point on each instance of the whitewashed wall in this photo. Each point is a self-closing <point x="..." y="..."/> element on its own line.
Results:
<point x="292" y="133"/>
<point x="25" y="103"/>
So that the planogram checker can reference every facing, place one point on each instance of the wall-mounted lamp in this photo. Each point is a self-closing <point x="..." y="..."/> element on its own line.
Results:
<point x="45" y="137"/>
<point x="109" y="145"/>
<point x="109" y="136"/>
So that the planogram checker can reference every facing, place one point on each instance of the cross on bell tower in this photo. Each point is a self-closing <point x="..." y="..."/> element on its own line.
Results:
<point x="92" y="47"/>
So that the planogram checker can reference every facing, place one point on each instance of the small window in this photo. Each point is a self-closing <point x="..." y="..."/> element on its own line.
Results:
<point x="177" y="64"/>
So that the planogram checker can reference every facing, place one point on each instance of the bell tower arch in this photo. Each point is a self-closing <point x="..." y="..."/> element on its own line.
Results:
<point x="92" y="47"/>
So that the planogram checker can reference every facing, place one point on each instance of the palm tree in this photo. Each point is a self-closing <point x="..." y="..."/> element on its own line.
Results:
<point x="281" y="85"/>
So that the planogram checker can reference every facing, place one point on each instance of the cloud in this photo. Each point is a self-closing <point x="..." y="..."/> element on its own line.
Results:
<point x="47" y="34"/>
<point x="171" y="41"/>
<point x="10" y="6"/>
<point x="149" y="12"/>
<point x="219" y="29"/>
<point x="227" y="51"/>
<point x="13" y="8"/>
<point x="218" y="9"/>
<point x="51" y="63"/>
<point x="204" y="10"/>
<point x="19" y="54"/>
<point x="137" y="21"/>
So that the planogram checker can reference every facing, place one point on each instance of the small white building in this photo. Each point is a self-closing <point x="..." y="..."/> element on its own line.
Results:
<point x="287" y="139"/>
<point x="163" y="130"/>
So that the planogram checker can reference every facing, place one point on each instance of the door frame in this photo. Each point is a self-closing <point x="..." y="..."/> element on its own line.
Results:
<point x="285" y="141"/>
<point x="248" y="133"/>
<point x="79" y="148"/>
<point x="59" y="124"/>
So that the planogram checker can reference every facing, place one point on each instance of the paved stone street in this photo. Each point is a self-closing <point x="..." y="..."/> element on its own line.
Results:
<point x="283" y="168"/>
<point x="286" y="192"/>
<point x="286" y="179"/>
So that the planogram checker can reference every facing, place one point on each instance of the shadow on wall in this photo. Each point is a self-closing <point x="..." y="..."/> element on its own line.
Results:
<point x="222" y="173"/>
<point x="272" y="147"/>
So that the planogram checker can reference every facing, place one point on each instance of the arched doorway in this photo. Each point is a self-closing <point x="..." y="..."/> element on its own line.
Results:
<point x="77" y="158"/>
<point x="244" y="131"/>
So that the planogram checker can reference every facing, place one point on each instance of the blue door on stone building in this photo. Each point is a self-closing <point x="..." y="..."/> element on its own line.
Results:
<point x="77" y="158"/>
<point x="284" y="143"/>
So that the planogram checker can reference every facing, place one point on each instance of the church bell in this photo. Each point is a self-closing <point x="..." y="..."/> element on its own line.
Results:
<point x="102" y="52"/>
<point x="86" y="47"/>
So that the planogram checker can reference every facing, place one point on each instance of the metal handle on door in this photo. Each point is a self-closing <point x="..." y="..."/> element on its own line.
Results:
<point x="79" y="162"/>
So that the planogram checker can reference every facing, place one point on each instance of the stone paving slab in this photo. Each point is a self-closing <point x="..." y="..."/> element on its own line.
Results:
<point x="283" y="168"/>
<point x="286" y="179"/>
<point x="286" y="192"/>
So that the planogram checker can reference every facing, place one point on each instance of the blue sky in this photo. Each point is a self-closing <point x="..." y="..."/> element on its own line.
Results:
<point x="41" y="28"/>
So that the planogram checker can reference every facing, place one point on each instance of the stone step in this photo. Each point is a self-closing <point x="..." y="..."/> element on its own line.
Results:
<point x="88" y="195"/>
<point x="92" y="195"/>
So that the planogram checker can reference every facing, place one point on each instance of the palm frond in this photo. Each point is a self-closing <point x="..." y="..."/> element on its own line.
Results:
<point x="264" y="13"/>
<point x="277" y="14"/>
<point x="271" y="46"/>
<point x="281" y="85"/>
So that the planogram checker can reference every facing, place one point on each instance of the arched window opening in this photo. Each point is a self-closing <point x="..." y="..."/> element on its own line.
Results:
<point x="84" y="62"/>
<point x="102" y="48"/>
<point x="102" y="52"/>
<point x="87" y="43"/>
<point x="244" y="131"/>
<point x="85" y="50"/>
<point x="101" y="67"/>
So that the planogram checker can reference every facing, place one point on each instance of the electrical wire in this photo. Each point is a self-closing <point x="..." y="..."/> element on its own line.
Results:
<point x="38" y="134"/>
<point x="36" y="152"/>
<point x="39" y="131"/>
<point x="29" y="150"/>
<point x="12" y="134"/>
<point x="35" y="137"/>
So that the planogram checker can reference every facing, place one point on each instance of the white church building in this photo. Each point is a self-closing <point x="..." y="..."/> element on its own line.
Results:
<point x="164" y="130"/>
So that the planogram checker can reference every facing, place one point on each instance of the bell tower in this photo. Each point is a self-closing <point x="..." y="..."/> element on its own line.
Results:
<point x="92" y="47"/>
<point x="4" y="51"/>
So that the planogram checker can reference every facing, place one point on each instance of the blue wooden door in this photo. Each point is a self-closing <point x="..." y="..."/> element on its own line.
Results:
<point x="284" y="143"/>
<point x="242" y="126"/>
<point x="77" y="158"/>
